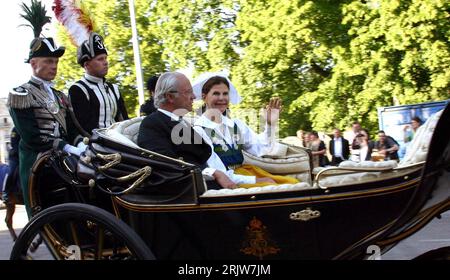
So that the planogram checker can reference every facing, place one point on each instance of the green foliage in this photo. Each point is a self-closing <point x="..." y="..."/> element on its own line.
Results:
<point x="398" y="53"/>
<point x="113" y="23"/>
<point x="331" y="62"/>
<point x="286" y="53"/>
<point x="36" y="15"/>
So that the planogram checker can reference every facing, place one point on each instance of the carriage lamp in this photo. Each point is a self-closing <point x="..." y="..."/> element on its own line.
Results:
<point x="91" y="183"/>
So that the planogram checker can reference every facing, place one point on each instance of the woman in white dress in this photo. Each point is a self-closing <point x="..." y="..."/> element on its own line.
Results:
<point x="229" y="137"/>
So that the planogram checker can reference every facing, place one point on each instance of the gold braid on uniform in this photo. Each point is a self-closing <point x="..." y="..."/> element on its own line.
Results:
<point x="20" y="98"/>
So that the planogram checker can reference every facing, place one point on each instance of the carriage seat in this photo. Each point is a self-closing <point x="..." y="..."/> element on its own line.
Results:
<point x="347" y="173"/>
<point x="288" y="160"/>
<point x="418" y="148"/>
<point x="294" y="163"/>
<point x="257" y="190"/>
<point x="125" y="132"/>
<point x="414" y="159"/>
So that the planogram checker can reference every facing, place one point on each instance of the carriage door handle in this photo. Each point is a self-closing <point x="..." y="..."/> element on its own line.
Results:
<point x="305" y="215"/>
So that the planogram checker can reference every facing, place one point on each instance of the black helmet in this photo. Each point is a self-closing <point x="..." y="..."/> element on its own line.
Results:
<point x="44" y="47"/>
<point x="90" y="48"/>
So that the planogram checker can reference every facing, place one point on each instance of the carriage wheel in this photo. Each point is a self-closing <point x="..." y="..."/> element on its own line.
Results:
<point x="79" y="231"/>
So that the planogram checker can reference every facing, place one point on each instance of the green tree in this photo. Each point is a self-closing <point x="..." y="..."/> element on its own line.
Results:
<point x="172" y="35"/>
<point x="398" y="53"/>
<point x="330" y="61"/>
<point x="286" y="48"/>
<point x="113" y="23"/>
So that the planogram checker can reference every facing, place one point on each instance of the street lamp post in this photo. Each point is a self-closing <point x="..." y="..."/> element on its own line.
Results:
<point x="137" y="56"/>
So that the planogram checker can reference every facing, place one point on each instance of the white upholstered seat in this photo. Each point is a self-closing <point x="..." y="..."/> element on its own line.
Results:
<point x="125" y="132"/>
<point x="290" y="161"/>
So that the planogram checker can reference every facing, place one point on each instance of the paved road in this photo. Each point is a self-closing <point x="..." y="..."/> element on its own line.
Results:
<point x="6" y="243"/>
<point x="434" y="235"/>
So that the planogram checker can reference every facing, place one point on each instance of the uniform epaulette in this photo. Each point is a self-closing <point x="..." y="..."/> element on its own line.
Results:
<point x="20" y="98"/>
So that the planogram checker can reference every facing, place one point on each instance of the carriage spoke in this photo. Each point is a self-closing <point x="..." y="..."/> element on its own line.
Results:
<point x="100" y="242"/>
<point x="74" y="233"/>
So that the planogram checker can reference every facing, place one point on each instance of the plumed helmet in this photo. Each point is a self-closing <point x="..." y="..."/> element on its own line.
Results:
<point x="44" y="47"/>
<point x="90" y="48"/>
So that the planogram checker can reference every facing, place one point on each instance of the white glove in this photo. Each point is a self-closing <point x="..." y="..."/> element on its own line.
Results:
<point x="81" y="145"/>
<point x="73" y="150"/>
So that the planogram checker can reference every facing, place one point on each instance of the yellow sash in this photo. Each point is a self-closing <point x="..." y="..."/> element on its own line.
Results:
<point x="251" y="170"/>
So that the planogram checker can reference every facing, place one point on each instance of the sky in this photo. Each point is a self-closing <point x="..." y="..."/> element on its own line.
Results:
<point x="16" y="40"/>
<point x="15" y="44"/>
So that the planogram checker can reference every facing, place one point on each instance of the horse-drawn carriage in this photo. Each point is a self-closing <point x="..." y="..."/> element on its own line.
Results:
<point x="120" y="201"/>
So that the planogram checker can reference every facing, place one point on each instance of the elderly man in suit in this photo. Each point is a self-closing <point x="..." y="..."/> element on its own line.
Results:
<point x="165" y="132"/>
<point x="339" y="148"/>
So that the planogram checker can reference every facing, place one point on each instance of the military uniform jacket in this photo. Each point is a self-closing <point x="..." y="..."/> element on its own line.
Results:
<point x="41" y="123"/>
<point x="96" y="103"/>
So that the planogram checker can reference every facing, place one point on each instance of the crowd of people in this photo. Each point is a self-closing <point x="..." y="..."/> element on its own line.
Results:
<point x="358" y="147"/>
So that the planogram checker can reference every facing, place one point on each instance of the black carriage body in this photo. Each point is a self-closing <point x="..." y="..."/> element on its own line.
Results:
<point x="268" y="226"/>
<point x="177" y="221"/>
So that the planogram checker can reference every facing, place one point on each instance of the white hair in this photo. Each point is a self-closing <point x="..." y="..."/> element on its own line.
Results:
<point x="167" y="83"/>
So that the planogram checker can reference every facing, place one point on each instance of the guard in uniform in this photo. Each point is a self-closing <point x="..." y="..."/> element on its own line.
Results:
<point x="96" y="102"/>
<point x="41" y="113"/>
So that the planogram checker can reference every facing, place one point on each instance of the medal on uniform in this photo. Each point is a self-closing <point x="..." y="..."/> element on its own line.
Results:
<point x="51" y="106"/>
<point x="224" y="147"/>
<point x="236" y="138"/>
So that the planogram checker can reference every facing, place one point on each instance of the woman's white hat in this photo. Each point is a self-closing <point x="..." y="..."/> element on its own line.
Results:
<point x="197" y="86"/>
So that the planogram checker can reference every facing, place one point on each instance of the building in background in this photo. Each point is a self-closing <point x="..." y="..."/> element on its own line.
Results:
<point x="6" y="125"/>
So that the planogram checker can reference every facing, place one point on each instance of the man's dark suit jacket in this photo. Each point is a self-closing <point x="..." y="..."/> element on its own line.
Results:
<point x="155" y="135"/>
<point x="345" y="149"/>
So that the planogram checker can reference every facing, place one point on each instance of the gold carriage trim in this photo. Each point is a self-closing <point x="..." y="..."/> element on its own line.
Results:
<point x="257" y="242"/>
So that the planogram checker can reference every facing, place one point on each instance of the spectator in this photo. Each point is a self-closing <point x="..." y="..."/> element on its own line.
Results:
<point x="339" y="148"/>
<point x="318" y="150"/>
<point x="365" y="145"/>
<point x="307" y="139"/>
<point x="356" y="128"/>
<point x="149" y="107"/>
<point x="298" y="140"/>
<point x="301" y="136"/>
<point x="387" y="146"/>
<point x="410" y="130"/>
